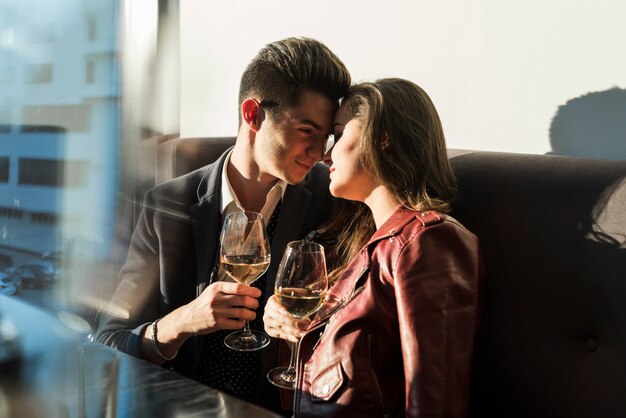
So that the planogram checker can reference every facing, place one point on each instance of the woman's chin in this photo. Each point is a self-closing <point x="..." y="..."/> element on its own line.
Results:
<point x="335" y="192"/>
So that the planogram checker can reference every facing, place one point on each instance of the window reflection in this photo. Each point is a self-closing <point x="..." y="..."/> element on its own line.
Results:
<point x="60" y="133"/>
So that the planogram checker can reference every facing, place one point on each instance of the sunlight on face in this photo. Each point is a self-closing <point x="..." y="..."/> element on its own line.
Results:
<point x="290" y="147"/>
<point x="348" y="178"/>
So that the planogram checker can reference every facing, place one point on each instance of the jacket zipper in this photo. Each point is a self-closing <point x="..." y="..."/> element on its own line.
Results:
<point x="324" y="323"/>
<point x="381" y="399"/>
<point x="355" y="291"/>
<point x="298" y="394"/>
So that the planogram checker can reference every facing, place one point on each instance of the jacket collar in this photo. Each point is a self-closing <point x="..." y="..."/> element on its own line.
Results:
<point x="400" y="218"/>
<point x="344" y="289"/>
<point x="206" y="221"/>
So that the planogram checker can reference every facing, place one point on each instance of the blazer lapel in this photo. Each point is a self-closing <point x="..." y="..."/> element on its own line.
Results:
<point x="206" y="229"/>
<point x="206" y="222"/>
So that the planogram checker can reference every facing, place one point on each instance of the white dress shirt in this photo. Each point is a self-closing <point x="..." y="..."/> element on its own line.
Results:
<point x="231" y="204"/>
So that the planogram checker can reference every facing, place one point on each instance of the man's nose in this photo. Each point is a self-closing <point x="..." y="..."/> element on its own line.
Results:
<point x="316" y="148"/>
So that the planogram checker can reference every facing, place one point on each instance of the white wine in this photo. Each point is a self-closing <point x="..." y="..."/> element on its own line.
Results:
<point x="245" y="269"/>
<point x="299" y="302"/>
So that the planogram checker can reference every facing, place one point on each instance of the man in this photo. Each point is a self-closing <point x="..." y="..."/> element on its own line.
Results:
<point x="171" y="284"/>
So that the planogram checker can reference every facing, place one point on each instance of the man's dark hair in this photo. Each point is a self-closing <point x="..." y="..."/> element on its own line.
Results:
<point x="283" y="68"/>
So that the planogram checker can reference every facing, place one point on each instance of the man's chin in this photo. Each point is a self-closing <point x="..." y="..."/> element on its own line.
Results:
<point x="295" y="180"/>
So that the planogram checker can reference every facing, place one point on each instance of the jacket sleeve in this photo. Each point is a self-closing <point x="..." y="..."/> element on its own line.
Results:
<point x="437" y="274"/>
<point x="136" y="299"/>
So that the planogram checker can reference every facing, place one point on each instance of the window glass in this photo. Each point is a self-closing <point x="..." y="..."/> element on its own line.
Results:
<point x="4" y="169"/>
<point x="60" y="142"/>
<point x="38" y="73"/>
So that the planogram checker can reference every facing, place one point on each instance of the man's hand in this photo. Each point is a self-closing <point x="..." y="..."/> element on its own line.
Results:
<point x="280" y="324"/>
<point x="222" y="305"/>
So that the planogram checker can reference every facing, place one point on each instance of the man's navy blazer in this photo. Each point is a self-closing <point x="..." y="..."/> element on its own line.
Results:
<point x="173" y="250"/>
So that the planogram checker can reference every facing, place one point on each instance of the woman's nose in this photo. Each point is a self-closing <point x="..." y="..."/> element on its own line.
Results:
<point x="316" y="149"/>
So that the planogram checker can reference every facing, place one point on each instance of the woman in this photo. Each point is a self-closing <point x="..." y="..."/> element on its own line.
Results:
<point x="400" y="340"/>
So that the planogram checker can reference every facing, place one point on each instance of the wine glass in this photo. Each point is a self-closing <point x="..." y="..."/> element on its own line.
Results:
<point x="245" y="256"/>
<point x="300" y="286"/>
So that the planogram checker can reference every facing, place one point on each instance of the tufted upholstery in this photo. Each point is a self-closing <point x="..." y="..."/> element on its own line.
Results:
<point x="552" y="341"/>
<point x="553" y="231"/>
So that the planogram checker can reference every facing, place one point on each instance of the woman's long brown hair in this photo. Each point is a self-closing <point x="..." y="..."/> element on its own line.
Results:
<point x="403" y="146"/>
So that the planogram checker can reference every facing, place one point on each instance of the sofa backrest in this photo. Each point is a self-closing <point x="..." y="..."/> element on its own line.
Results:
<point x="178" y="156"/>
<point x="552" y="340"/>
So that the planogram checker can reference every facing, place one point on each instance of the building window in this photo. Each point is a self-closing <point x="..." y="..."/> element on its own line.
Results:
<point x="52" y="173"/>
<point x="92" y="26"/>
<point x="4" y="169"/>
<point x="90" y="71"/>
<point x="56" y="118"/>
<point x="44" y="218"/>
<point x="11" y="212"/>
<point x="38" y="73"/>
<point x="5" y="118"/>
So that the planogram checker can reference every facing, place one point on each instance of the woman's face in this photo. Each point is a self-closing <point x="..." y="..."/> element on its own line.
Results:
<point x="348" y="178"/>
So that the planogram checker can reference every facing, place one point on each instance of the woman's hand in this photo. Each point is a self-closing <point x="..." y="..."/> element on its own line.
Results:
<point x="280" y="324"/>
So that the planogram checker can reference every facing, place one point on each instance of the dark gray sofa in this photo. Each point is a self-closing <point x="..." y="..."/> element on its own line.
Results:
<point x="552" y="340"/>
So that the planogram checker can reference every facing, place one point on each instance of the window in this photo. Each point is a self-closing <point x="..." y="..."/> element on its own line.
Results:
<point x="5" y="118"/>
<point x="62" y="153"/>
<point x="11" y="213"/>
<point x="44" y="218"/>
<point x="90" y="71"/>
<point x="53" y="173"/>
<point x="99" y="68"/>
<point x="38" y="73"/>
<point x="4" y="169"/>
<point x="92" y="26"/>
<point x="69" y="118"/>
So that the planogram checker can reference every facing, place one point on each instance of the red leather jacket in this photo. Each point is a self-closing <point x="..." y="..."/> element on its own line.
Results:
<point x="396" y="335"/>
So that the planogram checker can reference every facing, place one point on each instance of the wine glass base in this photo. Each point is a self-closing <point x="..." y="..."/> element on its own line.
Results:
<point x="238" y="341"/>
<point x="277" y="377"/>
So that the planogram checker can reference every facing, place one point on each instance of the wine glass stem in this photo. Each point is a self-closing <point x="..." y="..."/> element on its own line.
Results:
<point x="246" y="330"/>
<point x="290" y="373"/>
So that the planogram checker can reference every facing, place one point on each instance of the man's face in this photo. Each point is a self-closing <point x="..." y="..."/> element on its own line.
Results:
<point x="288" y="147"/>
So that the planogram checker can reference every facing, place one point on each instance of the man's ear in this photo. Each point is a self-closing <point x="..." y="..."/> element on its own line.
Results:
<point x="251" y="113"/>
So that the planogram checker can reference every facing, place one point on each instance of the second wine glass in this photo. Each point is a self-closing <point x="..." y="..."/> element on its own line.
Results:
<point x="300" y="286"/>
<point x="245" y="256"/>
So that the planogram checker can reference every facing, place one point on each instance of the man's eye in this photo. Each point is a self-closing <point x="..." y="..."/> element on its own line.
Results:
<point x="306" y="131"/>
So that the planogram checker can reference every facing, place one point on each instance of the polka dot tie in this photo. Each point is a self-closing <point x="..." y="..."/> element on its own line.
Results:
<point x="231" y="371"/>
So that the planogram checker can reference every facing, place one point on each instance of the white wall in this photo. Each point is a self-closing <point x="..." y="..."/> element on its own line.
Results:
<point x="497" y="70"/>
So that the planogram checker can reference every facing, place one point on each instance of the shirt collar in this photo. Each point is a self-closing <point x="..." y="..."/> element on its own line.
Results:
<point x="230" y="203"/>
